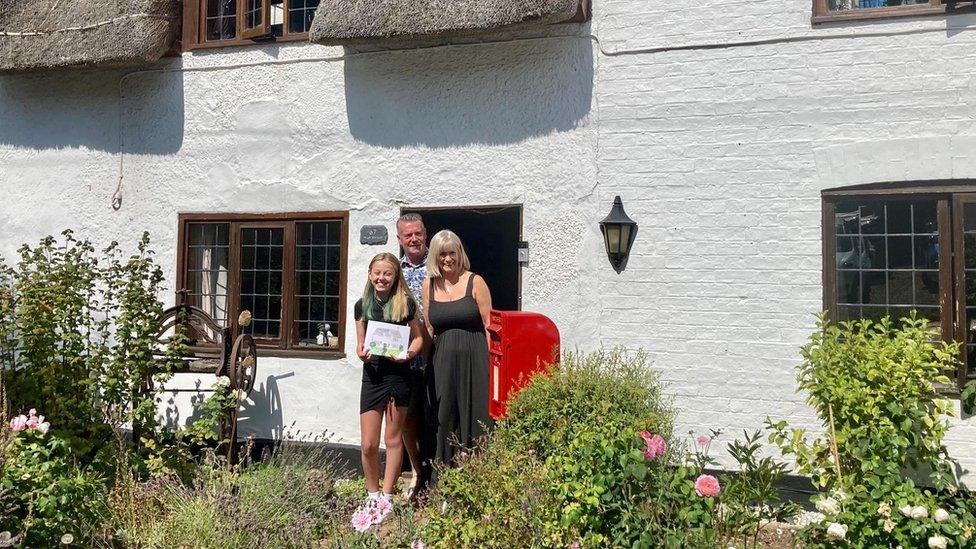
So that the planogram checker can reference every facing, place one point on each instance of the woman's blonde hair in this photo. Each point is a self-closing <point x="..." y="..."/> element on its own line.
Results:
<point x="397" y="306"/>
<point x="445" y="241"/>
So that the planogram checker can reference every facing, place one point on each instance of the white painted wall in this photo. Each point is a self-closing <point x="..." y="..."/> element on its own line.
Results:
<point x="720" y="155"/>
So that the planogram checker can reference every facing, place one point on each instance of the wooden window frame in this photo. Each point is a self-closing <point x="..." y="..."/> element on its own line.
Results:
<point x="934" y="7"/>
<point x="286" y="345"/>
<point x="195" y="27"/>
<point x="949" y="198"/>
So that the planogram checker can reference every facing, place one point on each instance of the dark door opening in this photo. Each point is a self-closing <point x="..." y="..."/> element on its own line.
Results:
<point x="491" y="236"/>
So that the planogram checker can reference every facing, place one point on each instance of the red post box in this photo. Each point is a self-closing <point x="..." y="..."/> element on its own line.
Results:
<point x="521" y="343"/>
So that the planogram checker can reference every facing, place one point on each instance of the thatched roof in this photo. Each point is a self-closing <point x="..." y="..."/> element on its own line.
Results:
<point x="51" y="34"/>
<point x="360" y="22"/>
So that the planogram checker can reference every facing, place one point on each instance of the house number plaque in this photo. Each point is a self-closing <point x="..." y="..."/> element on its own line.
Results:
<point x="373" y="235"/>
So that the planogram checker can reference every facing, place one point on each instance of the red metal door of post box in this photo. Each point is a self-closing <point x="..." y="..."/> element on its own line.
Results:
<point x="520" y="343"/>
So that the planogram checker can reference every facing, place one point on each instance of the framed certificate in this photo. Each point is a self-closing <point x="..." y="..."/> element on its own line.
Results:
<point x="385" y="339"/>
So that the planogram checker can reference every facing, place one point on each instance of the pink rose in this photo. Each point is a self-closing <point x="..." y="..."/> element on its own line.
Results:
<point x="32" y="422"/>
<point x="707" y="486"/>
<point x="18" y="423"/>
<point x="656" y="446"/>
<point x="361" y="520"/>
<point x="703" y="440"/>
<point x="32" y="412"/>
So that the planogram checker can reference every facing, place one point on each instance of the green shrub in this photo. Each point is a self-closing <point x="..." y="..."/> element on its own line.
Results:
<point x="498" y="497"/>
<point x="53" y="497"/>
<point x="572" y="465"/>
<point x="873" y="387"/>
<point x="608" y="392"/>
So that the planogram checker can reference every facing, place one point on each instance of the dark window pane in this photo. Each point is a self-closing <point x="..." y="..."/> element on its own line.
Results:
<point x="848" y="286"/>
<point x="872" y="218"/>
<point x="848" y="312"/>
<point x="296" y="21"/>
<point x="260" y="307"/>
<point x="926" y="288"/>
<point x="874" y="287"/>
<point x="247" y="303"/>
<point x="874" y="254"/>
<point x="317" y="284"/>
<point x="276" y="259"/>
<point x="900" y="287"/>
<point x="332" y="283"/>
<point x="319" y="233"/>
<point x="303" y="257"/>
<point x="970" y="288"/>
<point x="261" y="283"/>
<point x="899" y="217"/>
<point x="332" y="309"/>
<point x="926" y="252"/>
<point x="318" y="258"/>
<point x="849" y="252"/>
<point x="316" y="308"/>
<point x="247" y="237"/>
<point x="277" y="236"/>
<point x="969" y="250"/>
<point x="304" y="234"/>
<point x="274" y="307"/>
<point x="274" y="283"/>
<point x="969" y="216"/>
<point x="846" y="218"/>
<point x="274" y="329"/>
<point x="302" y="308"/>
<point x="926" y="220"/>
<point x="874" y="313"/>
<point x="899" y="252"/>
<point x="247" y="257"/>
<point x="333" y="257"/>
<point x="335" y="232"/>
<point x="262" y="258"/>
<point x="247" y="282"/>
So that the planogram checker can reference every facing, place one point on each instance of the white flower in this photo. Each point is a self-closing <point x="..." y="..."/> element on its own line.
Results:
<point x="905" y="510"/>
<point x="941" y="515"/>
<point x="938" y="542"/>
<point x="828" y="506"/>
<point x="836" y="531"/>
<point x="920" y="512"/>
<point x="43" y="427"/>
<point x="220" y="383"/>
<point x="67" y="539"/>
<point x="884" y="509"/>
<point x="889" y="525"/>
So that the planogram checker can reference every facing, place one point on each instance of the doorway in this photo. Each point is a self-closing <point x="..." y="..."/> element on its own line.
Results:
<point x="491" y="236"/>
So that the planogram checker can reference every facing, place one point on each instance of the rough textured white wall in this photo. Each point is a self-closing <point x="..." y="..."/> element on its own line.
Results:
<point x="719" y="154"/>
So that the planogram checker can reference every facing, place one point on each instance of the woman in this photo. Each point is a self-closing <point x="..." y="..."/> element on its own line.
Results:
<point x="457" y="314"/>
<point x="386" y="381"/>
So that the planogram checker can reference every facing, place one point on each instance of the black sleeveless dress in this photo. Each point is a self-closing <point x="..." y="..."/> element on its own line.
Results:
<point x="383" y="379"/>
<point x="460" y="372"/>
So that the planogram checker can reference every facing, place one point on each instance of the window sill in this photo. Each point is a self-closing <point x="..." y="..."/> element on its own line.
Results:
<point x="244" y="42"/>
<point x="890" y="13"/>
<point x="319" y="354"/>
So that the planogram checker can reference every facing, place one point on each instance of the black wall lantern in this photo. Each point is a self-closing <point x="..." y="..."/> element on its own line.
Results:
<point x="618" y="235"/>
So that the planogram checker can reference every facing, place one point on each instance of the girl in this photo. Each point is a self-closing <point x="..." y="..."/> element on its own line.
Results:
<point x="386" y="381"/>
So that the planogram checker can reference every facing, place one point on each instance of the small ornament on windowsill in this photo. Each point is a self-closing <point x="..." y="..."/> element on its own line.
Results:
<point x="325" y="337"/>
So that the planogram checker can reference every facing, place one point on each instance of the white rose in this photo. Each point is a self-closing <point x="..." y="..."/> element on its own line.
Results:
<point x="836" y="531"/>
<point x="919" y="512"/>
<point x="938" y="542"/>
<point x="43" y="427"/>
<point x="221" y="382"/>
<point x="828" y="506"/>
<point x="905" y="510"/>
<point x="941" y="515"/>
<point x="884" y="509"/>
<point x="889" y="525"/>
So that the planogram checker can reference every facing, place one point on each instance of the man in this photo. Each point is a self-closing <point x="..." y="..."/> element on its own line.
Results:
<point x="412" y="236"/>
